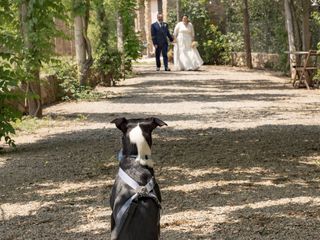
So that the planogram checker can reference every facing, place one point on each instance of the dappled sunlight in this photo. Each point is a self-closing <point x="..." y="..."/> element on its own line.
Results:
<point x="12" y="210"/>
<point x="202" y="185"/>
<point x="198" y="219"/>
<point x="192" y="172"/>
<point x="3" y="161"/>
<point x="71" y="187"/>
<point x="312" y="201"/>
<point x="209" y="221"/>
<point x="313" y="161"/>
<point x="236" y="152"/>
<point x="93" y="220"/>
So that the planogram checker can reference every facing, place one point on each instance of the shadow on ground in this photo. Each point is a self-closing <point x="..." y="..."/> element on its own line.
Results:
<point x="208" y="90"/>
<point x="264" y="177"/>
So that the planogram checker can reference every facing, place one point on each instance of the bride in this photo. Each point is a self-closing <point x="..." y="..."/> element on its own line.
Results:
<point x="186" y="55"/>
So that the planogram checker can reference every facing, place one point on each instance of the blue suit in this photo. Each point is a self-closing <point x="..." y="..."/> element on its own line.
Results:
<point x="160" y="35"/>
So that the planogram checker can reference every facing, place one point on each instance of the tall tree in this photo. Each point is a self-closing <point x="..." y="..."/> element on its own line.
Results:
<point x="290" y="30"/>
<point x="81" y="12"/>
<point x="38" y="30"/>
<point x="32" y="65"/>
<point x="127" y="35"/>
<point x="246" y="30"/>
<point x="120" y="41"/>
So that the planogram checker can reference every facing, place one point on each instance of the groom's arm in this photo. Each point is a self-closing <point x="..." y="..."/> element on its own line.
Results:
<point x="153" y="35"/>
<point x="169" y="35"/>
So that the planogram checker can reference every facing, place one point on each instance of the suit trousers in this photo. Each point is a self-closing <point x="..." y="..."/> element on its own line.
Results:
<point x="164" y="50"/>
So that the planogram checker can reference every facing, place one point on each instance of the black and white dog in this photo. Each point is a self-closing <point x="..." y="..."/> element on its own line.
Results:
<point x="135" y="198"/>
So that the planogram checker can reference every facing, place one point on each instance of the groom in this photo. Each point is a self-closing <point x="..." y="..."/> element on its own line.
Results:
<point x="160" y="34"/>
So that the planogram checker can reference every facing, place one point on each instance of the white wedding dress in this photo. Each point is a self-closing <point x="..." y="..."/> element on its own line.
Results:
<point x="186" y="57"/>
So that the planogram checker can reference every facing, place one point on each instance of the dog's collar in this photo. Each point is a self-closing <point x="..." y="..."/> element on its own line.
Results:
<point x="120" y="156"/>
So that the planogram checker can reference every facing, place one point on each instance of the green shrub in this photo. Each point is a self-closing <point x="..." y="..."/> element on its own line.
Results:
<point x="215" y="50"/>
<point x="70" y="88"/>
<point x="8" y="114"/>
<point x="108" y="65"/>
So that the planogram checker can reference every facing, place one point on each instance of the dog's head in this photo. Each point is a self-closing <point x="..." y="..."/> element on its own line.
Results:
<point x="137" y="139"/>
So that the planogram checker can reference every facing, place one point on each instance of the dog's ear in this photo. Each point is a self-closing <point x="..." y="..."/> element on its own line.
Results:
<point x="156" y="122"/>
<point x="120" y="123"/>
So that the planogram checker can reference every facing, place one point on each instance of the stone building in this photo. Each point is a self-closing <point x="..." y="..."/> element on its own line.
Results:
<point x="147" y="14"/>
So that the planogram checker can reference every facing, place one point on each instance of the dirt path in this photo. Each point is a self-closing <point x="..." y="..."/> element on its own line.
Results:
<point x="240" y="159"/>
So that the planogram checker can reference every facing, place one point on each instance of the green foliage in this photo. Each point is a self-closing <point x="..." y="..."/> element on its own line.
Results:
<point x="213" y="45"/>
<point x="79" y="7"/>
<point x="216" y="50"/>
<point x="30" y="124"/>
<point x="315" y="29"/>
<point x="235" y="41"/>
<point x="8" y="113"/>
<point x="132" y="45"/>
<point x="22" y="52"/>
<point x="9" y="74"/>
<point x="108" y="59"/>
<point x="66" y="73"/>
<point x="267" y="24"/>
<point x="41" y="30"/>
<point x="108" y="64"/>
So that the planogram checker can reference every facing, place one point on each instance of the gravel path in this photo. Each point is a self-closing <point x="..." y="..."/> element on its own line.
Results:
<point x="240" y="159"/>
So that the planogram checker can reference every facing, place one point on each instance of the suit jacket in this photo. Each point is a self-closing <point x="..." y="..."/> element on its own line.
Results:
<point x="159" y="34"/>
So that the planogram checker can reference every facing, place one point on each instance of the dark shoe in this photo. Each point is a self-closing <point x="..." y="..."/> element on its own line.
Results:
<point x="167" y="69"/>
<point x="158" y="69"/>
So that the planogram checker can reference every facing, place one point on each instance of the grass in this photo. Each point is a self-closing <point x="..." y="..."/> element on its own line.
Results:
<point x="30" y="124"/>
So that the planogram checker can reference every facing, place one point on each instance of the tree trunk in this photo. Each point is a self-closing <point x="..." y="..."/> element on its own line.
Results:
<point x="178" y="10"/>
<point x="160" y="6"/>
<point x="306" y="39"/>
<point x="80" y="46"/>
<point x="32" y="85"/>
<point x="83" y="45"/>
<point x="120" y="43"/>
<point x="296" y="20"/>
<point x="34" y="88"/>
<point x="246" y="29"/>
<point x="291" y="42"/>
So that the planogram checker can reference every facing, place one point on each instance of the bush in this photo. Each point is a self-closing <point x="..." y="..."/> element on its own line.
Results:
<point x="216" y="49"/>
<point x="8" y="114"/>
<point x="70" y="88"/>
<point x="108" y="66"/>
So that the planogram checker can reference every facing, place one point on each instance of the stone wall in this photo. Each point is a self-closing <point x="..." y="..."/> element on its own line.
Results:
<point x="50" y="93"/>
<point x="259" y="60"/>
<point x="64" y="47"/>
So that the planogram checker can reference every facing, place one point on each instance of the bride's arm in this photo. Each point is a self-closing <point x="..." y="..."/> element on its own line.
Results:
<point x="176" y="31"/>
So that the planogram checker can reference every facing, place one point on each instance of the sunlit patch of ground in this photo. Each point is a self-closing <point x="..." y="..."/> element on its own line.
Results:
<point x="240" y="159"/>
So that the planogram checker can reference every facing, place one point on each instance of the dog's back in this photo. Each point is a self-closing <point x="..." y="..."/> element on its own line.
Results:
<point x="135" y="198"/>
<point x="142" y="220"/>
